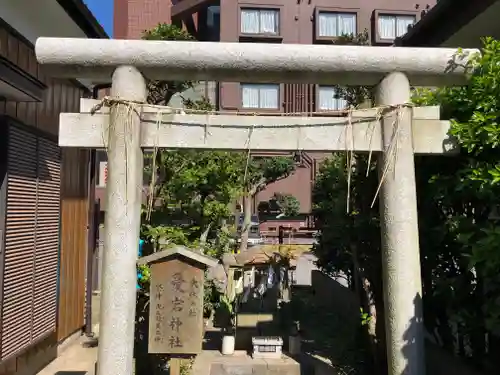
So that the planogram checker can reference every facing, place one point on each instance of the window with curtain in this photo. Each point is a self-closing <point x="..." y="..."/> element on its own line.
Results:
<point x="260" y="21"/>
<point x="334" y="24"/>
<point x="328" y="101"/>
<point x="393" y="26"/>
<point x="260" y="96"/>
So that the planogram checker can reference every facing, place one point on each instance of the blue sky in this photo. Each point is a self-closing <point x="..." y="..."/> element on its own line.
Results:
<point x="103" y="11"/>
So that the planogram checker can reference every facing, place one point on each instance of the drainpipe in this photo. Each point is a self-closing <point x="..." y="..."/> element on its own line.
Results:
<point x="91" y="227"/>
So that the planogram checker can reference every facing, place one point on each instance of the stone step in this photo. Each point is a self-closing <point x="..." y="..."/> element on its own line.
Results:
<point x="214" y="363"/>
<point x="255" y="369"/>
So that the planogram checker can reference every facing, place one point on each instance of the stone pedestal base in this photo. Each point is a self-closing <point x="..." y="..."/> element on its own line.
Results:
<point x="267" y="347"/>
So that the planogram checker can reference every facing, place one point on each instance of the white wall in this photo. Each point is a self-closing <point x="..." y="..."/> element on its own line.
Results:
<point x="36" y="18"/>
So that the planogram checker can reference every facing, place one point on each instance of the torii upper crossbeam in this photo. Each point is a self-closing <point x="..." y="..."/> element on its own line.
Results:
<point x="250" y="62"/>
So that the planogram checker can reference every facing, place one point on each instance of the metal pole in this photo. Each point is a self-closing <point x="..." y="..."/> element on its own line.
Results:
<point x="399" y="229"/>
<point x="123" y="199"/>
<point x="91" y="243"/>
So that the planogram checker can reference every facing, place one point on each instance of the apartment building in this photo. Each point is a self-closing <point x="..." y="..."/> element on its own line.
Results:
<point x="275" y="21"/>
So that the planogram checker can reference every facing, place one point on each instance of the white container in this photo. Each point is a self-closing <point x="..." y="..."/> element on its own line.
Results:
<point x="228" y="343"/>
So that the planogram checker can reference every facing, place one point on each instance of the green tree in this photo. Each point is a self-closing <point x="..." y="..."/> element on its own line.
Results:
<point x="259" y="173"/>
<point x="354" y="95"/>
<point x="458" y="200"/>
<point x="349" y="241"/>
<point x="194" y="193"/>
<point x="191" y="191"/>
<point x="189" y="198"/>
<point x="460" y="239"/>
<point x="286" y="204"/>
<point x="160" y="92"/>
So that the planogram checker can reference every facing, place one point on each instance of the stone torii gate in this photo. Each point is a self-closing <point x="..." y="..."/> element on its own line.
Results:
<point x="126" y="132"/>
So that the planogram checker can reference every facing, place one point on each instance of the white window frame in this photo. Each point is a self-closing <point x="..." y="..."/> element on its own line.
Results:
<point x="395" y="16"/>
<point x="259" y="11"/>
<point x="340" y="104"/>
<point x="338" y="14"/>
<point x="259" y="86"/>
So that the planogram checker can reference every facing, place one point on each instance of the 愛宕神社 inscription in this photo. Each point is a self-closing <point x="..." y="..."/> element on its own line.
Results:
<point x="176" y="308"/>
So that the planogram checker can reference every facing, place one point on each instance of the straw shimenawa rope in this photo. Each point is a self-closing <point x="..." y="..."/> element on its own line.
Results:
<point x="151" y="200"/>
<point x="381" y="112"/>
<point x="126" y="109"/>
<point x="391" y="153"/>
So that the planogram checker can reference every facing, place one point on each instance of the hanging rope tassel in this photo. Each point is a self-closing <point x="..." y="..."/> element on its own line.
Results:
<point x="391" y="153"/>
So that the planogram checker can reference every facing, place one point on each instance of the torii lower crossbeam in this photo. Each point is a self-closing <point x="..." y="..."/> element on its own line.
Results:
<point x="259" y="133"/>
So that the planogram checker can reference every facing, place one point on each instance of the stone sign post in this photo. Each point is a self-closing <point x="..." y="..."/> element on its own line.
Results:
<point x="176" y="301"/>
<point x="397" y="134"/>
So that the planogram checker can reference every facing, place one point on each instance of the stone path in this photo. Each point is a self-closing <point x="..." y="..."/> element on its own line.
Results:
<point x="78" y="359"/>
<point x="211" y="362"/>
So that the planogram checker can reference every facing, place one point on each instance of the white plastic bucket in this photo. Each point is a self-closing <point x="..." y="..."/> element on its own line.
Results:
<point x="228" y="345"/>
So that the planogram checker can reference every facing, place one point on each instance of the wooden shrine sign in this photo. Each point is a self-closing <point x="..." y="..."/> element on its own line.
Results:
<point x="176" y="300"/>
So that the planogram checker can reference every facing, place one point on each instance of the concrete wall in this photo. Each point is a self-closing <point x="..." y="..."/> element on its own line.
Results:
<point x="203" y="89"/>
<point x="305" y="266"/>
<point x="332" y="295"/>
<point x="32" y="360"/>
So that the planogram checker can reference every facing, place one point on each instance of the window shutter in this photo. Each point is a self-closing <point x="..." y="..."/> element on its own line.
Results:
<point x="47" y="239"/>
<point x="31" y="248"/>
<point x="20" y="228"/>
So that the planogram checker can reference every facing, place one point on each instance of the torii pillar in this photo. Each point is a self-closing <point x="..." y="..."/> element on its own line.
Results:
<point x="343" y="65"/>
<point x="401" y="277"/>
<point x="122" y="225"/>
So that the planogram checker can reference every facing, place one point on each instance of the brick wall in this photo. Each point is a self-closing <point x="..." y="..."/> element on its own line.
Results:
<point x="132" y="17"/>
